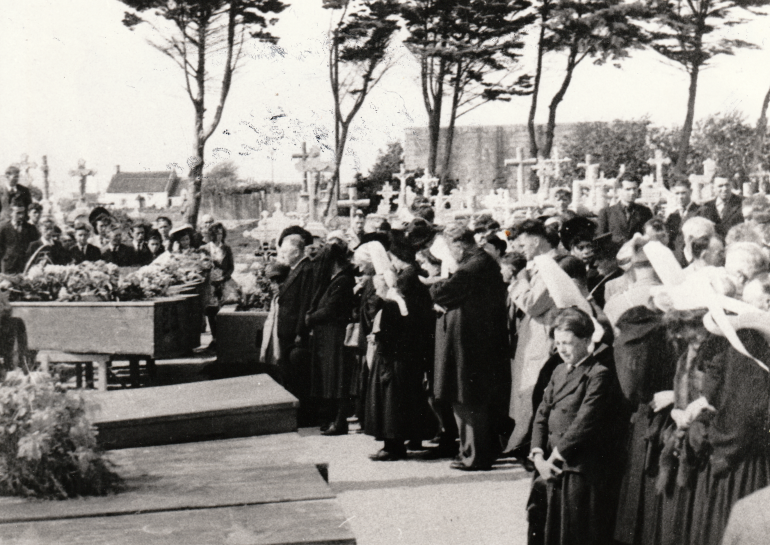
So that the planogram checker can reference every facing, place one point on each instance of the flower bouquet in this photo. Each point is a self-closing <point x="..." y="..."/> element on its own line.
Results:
<point x="168" y="276"/>
<point x="259" y="296"/>
<point x="97" y="281"/>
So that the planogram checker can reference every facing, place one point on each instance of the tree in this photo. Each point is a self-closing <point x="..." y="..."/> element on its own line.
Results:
<point x="357" y="62"/>
<point x="602" y="30"/>
<point x="222" y="177"/>
<point x="689" y="35"/>
<point x="462" y="46"/>
<point x="190" y="33"/>
<point x="386" y="164"/>
<point x="610" y="145"/>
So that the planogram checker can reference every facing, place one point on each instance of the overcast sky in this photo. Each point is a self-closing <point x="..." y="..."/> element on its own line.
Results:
<point x="78" y="84"/>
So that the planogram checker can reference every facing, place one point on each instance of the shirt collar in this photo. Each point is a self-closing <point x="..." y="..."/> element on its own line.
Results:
<point x="571" y="367"/>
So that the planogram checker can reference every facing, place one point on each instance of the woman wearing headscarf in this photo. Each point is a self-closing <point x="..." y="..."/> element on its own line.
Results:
<point x="397" y="407"/>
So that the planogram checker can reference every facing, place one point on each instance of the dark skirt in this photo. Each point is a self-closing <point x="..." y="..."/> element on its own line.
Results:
<point x="330" y="369"/>
<point x="638" y="506"/>
<point x="715" y="496"/>
<point x="396" y="402"/>
<point x="674" y="510"/>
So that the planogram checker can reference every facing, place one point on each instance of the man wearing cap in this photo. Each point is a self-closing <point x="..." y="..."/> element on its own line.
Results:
<point x="12" y="190"/>
<point x="472" y="370"/>
<point x="294" y="299"/>
<point x="15" y="237"/>
<point x="626" y="217"/>
<point x="725" y="210"/>
<point x="686" y="208"/>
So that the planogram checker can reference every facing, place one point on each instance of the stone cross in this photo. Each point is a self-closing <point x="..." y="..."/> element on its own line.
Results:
<point x="701" y="184"/>
<point x="426" y="183"/>
<point x="83" y="173"/>
<point x="658" y="161"/>
<point x="25" y="166"/>
<point x="592" y="171"/>
<point x="46" y="186"/>
<point x="353" y="202"/>
<point x="402" y="175"/>
<point x="310" y="164"/>
<point x="519" y="162"/>
<point x="387" y="194"/>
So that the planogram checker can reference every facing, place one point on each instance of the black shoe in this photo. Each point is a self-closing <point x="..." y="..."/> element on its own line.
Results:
<point x="414" y="444"/>
<point x="387" y="456"/>
<point x="462" y="467"/>
<point x="334" y="430"/>
<point x="440" y="453"/>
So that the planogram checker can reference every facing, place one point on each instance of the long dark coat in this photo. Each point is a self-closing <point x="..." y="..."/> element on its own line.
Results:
<point x="294" y="297"/>
<point x="397" y="404"/>
<point x="471" y="363"/>
<point x="577" y="416"/>
<point x="645" y="365"/>
<point x="732" y="214"/>
<point x="613" y="220"/>
<point x="330" y="372"/>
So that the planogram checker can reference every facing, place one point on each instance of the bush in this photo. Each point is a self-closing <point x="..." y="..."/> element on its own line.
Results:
<point x="48" y="447"/>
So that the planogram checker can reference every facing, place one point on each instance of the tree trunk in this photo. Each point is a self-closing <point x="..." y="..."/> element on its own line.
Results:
<point x="339" y="153"/>
<point x="550" y="129"/>
<point x="196" y="171"/>
<point x="535" y="92"/>
<point x="684" y="139"/>
<point x="450" y="133"/>
<point x="434" y="118"/>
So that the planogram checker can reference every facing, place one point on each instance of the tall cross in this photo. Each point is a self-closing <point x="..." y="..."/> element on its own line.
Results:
<point x="387" y="195"/>
<point x="543" y="171"/>
<point x="25" y="166"/>
<point x="83" y="173"/>
<point x="353" y="201"/>
<point x="46" y="187"/>
<point x="519" y="162"/>
<point x="402" y="175"/>
<point x="659" y="161"/>
<point x="426" y="183"/>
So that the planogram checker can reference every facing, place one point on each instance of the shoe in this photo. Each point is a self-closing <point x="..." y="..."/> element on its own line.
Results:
<point x="387" y="456"/>
<point x="334" y="430"/>
<point x="414" y="444"/>
<point x="439" y="453"/>
<point x="462" y="467"/>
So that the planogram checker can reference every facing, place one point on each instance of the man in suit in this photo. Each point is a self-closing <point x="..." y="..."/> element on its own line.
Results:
<point x="11" y="191"/>
<point x="573" y="442"/>
<point x="472" y="367"/>
<point x="294" y="299"/>
<point x="626" y="217"/>
<point x="141" y="254"/>
<point x="116" y="252"/>
<point x="686" y="208"/>
<point x="726" y="209"/>
<point x="15" y="237"/>
<point x="48" y="249"/>
<point x="82" y="250"/>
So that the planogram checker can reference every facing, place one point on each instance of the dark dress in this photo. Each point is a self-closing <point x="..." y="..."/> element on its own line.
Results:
<point x="738" y="438"/>
<point x="397" y="404"/>
<point x="369" y="303"/>
<point x="645" y="365"/>
<point x="330" y="372"/>
<point x="576" y="416"/>
<point x="294" y="298"/>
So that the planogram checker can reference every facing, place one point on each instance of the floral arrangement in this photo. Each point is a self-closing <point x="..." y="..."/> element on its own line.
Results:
<point x="155" y="279"/>
<point x="48" y="447"/>
<point x="88" y="281"/>
<point x="259" y="296"/>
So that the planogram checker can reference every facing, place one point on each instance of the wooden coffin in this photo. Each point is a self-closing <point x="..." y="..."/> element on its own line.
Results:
<point x="239" y="334"/>
<point x="162" y="328"/>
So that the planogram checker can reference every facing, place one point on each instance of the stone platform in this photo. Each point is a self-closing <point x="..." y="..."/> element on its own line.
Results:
<point x="239" y="491"/>
<point x="195" y="411"/>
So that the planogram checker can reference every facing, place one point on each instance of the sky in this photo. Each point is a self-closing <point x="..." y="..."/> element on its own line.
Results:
<point x="78" y="84"/>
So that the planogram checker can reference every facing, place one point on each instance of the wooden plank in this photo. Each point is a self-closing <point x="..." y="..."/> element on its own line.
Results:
<point x="306" y="523"/>
<point x="185" y="488"/>
<point x="236" y="407"/>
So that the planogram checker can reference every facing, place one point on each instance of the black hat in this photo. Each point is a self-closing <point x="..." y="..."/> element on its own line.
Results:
<point x="576" y="229"/>
<point x="419" y="233"/>
<point x="605" y="246"/>
<point x="307" y="238"/>
<point x="98" y="213"/>
<point x="400" y="246"/>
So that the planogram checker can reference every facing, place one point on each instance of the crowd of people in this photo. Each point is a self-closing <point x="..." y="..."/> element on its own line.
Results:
<point x="621" y="358"/>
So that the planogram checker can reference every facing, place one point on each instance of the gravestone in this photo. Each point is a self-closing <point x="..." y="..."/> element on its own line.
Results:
<point x="387" y="194"/>
<point x="519" y="162"/>
<point x="82" y="173"/>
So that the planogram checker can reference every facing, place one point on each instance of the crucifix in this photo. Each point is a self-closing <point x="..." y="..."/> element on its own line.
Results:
<point x="402" y="175"/>
<point x="46" y="187"/>
<point x="25" y="166"/>
<point x="659" y="161"/>
<point x="519" y="162"/>
<point x="387" y="194"/>
<point x="589" y="182"/>
<point x="426" y="183"/>
<point x="83" y="173"/>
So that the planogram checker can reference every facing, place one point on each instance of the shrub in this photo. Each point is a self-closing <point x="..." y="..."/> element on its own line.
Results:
<point x="48" y="447"/>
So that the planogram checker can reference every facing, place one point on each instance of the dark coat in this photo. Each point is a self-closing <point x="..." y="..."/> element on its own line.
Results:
<point x="732" y="213"/>
<point x="56" y="254"/>
<point x="330" y="369"/>
<point x="123" y="256"/>
<point x="294" y="298"/>
<point x="674" y="224"/>
<point x="472" y="365"/>
<point x="141" y="257"/>
<point x="92" y="253"/>
<point x="612" y="219"/>
<point x="14" y="245"/>
<point x="6" y="197"/>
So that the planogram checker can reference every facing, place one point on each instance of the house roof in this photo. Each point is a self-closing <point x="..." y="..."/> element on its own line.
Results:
<point x="143" y="182"/>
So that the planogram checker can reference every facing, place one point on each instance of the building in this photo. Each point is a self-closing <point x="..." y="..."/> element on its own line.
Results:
<point x="151" y="189"/>
<point x="478" y="152"/>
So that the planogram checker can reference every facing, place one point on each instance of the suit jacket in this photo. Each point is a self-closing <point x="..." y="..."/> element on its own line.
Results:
<point x="56" y="253"/>
<point x="732" y="214"/>
<point x="13" y="247"/>
<point x="674" y="224"/>
<point x="577" y="415"/>
<point x="612" y="219"/>
<point x="294" y="298"/>
<point x="21" y="192"/>
<point x="92" y="253"/>
<point x="471" y="361"/>
<point x="141" y="257"/>
<point x="123" y="256"/>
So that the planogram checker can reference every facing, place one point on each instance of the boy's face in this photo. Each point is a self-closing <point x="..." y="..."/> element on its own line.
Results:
<point x="138" y="235"/>
<point x="570" y="347"/>
<point x="164" y="227"/>
<point x="115" y="237"/>
<point x="583" y="250"/>
<point x="153" y="244"/>
<point x="81" y="237"/>
<point x="34" y="216"/>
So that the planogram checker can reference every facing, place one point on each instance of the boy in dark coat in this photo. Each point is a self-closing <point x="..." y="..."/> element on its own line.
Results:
<point x="572" y="447"/>
<point x="82" y="250"/>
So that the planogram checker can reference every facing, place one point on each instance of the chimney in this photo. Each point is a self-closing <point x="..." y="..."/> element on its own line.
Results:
<point x="117" y="169"/>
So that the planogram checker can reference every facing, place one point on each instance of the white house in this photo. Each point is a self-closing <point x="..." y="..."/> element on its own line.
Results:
<point x="158" y="189"/>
